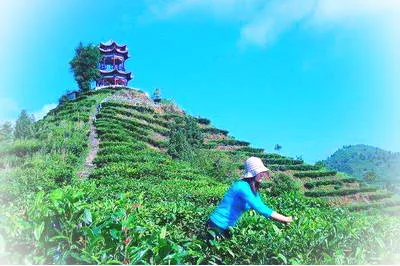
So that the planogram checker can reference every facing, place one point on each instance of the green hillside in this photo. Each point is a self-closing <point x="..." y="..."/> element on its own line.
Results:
<point x="100" y="188"/>
<point x="357" y="160"/>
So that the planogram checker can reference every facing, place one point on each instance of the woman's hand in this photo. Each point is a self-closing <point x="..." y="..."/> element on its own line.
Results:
<point x="288" y="219"/>
<point x="281" y="218"/>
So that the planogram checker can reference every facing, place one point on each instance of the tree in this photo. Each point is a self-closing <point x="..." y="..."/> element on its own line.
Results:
<point x="299" y="157"/>
<point x="320" y="164"/>
<point x="282" y="183"/>
<point x="84" y="65"/>
<point x="62" y="99"/>
<point x="6" y="131"/>
<point x="370" y="176"/>
<point x="193" y="133"/>
<point x="157" y="96"/>
<point x="178" y="146"/>
<point x="185" y="139"/>
<point x="219" y="165"/>
<point x="277" y="147"/>
<point x="24" y="126"/>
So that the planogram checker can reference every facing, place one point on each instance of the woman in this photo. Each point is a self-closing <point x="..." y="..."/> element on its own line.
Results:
<point x="242" y="196"/>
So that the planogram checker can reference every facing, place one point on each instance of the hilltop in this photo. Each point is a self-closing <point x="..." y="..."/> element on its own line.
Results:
<point x="359" y="159"/>
<point x="96" y="184"/>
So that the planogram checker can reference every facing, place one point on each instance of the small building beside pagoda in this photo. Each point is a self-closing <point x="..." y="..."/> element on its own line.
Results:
<point x="112" y="65"/>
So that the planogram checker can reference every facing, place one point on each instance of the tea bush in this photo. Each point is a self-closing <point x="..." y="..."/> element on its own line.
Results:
<point x="282" y="184"/>
<point x="315" y="174"/>
<point x="251" y="150"/>
<point x="203" y="121"/>
<point x="142" y="207"/>
<point x="150" y="118"/>
<point x="282" y="161"/>
<point x="215" y="164"/>
<point x="77" y="225"/>
<point x="184" y="140"/>
<point x="380" y="195"/>
<point x="212" y="130"/>
<point x="342" y="192"/>
<point x="21" y="147"/>
<point x="139" y="108"/>
<point x="340" y="181"/>
<point x="375" y="205"/>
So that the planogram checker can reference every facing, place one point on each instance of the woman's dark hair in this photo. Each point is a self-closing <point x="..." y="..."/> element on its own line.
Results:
<point x="254" y="185"/>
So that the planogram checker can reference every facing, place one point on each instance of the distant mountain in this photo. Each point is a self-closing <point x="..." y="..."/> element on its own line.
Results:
<point x="359" y="159"/>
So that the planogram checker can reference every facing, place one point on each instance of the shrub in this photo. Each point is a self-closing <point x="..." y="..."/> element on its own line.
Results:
<point x="314" y="174"/>
<point x="227" y="142"/>
<point x="381" y="195"/>
<point x="370" y="176"/>
<point x="364" y="205"/>
<point x="296" y="167"/>
<point x="313" y="184"/>
<point x="216" y="164"/>
<point x="282" y="183"/>
<point x="184" y="141"/>
<point x="252" y="150"/>
<point x="320" y="164"/>
<point x="282" y="161"/>
<point x="203" y="121"/>
<point x="150" y="118"/>
<point x="23" y="147"/>
<point x="139" y="108"/>
<point x="342" y="192"/>
<point x="212" y="130"/>
<point x="179" y="147"/>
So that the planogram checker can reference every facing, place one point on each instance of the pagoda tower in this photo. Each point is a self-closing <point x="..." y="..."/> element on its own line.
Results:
<point x="112" y="65"/>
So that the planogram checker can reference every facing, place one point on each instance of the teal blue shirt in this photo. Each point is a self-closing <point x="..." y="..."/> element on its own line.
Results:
<point x="237" y="199"/>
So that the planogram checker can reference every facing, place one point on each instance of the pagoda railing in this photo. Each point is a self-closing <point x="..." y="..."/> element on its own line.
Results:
<point x="111" y="67"/>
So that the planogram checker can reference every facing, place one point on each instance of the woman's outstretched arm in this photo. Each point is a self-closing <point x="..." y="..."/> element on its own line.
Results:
<point x="281" y="218"/>
<point x="259" y="206"/>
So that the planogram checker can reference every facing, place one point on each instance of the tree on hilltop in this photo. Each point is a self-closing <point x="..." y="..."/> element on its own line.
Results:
<point x="24" y="126"/>
<point x="277" y="147"/>
<point x="6" y="131"/>
<point x="84" y="65"/>
<point x="156" y="96"/>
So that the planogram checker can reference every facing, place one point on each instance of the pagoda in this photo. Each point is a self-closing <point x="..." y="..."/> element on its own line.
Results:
<point x="112" y="65"/>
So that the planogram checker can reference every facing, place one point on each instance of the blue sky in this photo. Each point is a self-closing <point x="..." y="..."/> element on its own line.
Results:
<point x="312" y="75"/>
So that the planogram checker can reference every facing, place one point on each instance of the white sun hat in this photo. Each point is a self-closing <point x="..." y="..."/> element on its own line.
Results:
<point x="253" y="166"/>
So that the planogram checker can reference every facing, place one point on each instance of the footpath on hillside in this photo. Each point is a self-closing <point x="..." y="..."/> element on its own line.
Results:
<point x="93" y="146"/>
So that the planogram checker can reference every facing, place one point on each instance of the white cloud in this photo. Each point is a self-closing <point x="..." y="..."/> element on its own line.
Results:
<point x="43" y="111"/>
<point x="8" y="110"/>
<point x="352" y="10"/>
<point x="264" y="21"/>
<point x="276" y="17"/>
<point x="228" y="9"/>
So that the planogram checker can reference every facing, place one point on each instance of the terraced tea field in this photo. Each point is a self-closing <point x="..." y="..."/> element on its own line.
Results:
<point x="140" y="206"/>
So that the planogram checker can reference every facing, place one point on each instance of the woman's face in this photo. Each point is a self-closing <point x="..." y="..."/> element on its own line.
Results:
<point x="261" y="176"/>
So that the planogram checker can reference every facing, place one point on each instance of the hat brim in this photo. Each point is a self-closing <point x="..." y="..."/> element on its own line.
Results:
<point x="255" y="172"/>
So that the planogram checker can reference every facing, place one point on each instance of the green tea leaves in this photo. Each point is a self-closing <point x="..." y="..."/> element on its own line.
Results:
<point x="37" y="232"/>
<point x="87" y="217"/>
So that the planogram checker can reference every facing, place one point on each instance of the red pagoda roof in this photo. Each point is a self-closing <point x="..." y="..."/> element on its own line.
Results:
<point x="115" y="71"/>
<point x="109" y="44"/>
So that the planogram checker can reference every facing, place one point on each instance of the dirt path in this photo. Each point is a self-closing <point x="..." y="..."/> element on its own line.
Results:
<point x="93" y="148"/>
